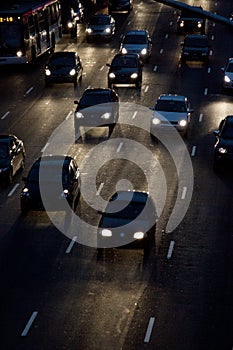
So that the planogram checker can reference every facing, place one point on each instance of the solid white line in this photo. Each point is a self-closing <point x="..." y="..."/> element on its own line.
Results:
<point x="206" y="91"/>
<point x="166" y="36"/>
<point x="146" y="88"/>
<point x="119" y="147"/>
<point x="184" y="193"/>
<point x="13" y="190"/>
<point x="129" y="23"/>
<point x="29" y="90"/>
<point x="68" y="250"/>
<point x="211" y="52"/>
<point x="44" y="148"/>
<point x="170" y="250"/>
<point x="161" y="51"/>
<point x="212" y="37"/>
<point x="28" y="325"/>
<point x="134" y="115"/>
<point x="101" y="68"/>
<point x="200" y="118"/>
<point x="5" y="115"/>
<point x="213" y="24"/>
<point x="69" y="114"/>
<point x="155" y="68"/>
<point x="100" y="188"/>
<point x="209" y="69"/>
<point x="193" y="151"/>
<point x="171" y="23"/>
<point x="149" y="330"/>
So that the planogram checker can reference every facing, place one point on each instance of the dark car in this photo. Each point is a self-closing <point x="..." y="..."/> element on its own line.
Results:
<point x="125" y="69"/>
<point x="191" y="22"/>
<point x="12" y="156"/>
<point x="101" y="26"/>
<point x="195" y="48"/>
<point x="227" y="81"/>
<point x="63" y="67"/>
<point x="98" y="107"/>
<point x="129" y="221"/>
<point x="72" y="12"/>
<point x="223" y="148"/>
<point x="58" y="177"/>
<point x="137" y="41"/>
<point x="120" y="6"/>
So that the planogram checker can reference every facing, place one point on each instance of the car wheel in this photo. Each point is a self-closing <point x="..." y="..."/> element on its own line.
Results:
<point x="80" y="78"/>
<point x="22" y="164"/>
<point x="109" y="85"/>
<point x="216" y="166"/>
<point x="139" y="84"/>
<point x="110" y="129"/>
<point x="24" y="209"/>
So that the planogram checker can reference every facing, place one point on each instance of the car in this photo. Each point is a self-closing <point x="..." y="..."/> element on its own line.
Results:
<point x="63" y="67"/>
<point x="191" y="22"/>
<point x="223" y="148"/>
<point x="128" y="221"/>
<point x="231" y="16"/>
<point x="98" y="107"/>
<point x="137" y="41"/>
<point x="12" y="157"/>
<point x="227" y="82"/>
<point x="72" y="12"/>
<point x="78" y="11"/>
<point x="50" y="172"/>
<point x="125" y="69"/>
<point x="120" y="6"/>
<point x="195" y="48"/>
<point x="101" y="26"/>
<point x="171" y="110"/>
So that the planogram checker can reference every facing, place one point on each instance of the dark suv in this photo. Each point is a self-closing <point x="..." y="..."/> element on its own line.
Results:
<point x="223" y="148"/>
<point x="195" y="48"/>
<point x="190" y="22"/>
<point x="98" y="107"/>
<point x="58" y="177"/>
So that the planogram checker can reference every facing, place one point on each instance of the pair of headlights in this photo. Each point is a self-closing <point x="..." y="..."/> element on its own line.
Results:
<point x="71" y="73"/>
<point x="106" y="115"/>
<point x="106" y="30"/>
<point x="143" y="51"/>
<point x="108" y="233"/>
<point x="182" y="122"/>
<point x="132" y="76"/>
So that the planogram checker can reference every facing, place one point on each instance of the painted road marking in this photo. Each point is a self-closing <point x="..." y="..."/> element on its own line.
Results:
<point x="149" y="330"/>
<point x="193" y="151"/>
<point x="146" y="88"/>
<point x="70" y="246"/>
<point x="100" y="188"/>
<point x="206" y="91"/>
<point x="28" y="325"/>
<point x="13" y="190"/>
<point x="184" y="193"/>
<point x="69" y="115"/>
<point x="5" y="115"/>
<point x="134" y="115"/>
<point x="119" y="147"/>
<point x="170" y="250"/>
<point x="200" y="118"/>
<point x="29" y="90"/>
<point x="44" y="148"/>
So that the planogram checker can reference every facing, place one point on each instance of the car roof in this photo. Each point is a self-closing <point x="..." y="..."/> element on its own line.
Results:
<point x="197" y="36"/>
<point x="53" y="160"/>
<point x="97" y="90"/>
<point x="129" y="55"/>
<point x="63" y="53"/>
<point x="136" y="196"/>
<point x="172" y="97"/>
<point x="136" y="32"/>
<point x="101" y="15"/>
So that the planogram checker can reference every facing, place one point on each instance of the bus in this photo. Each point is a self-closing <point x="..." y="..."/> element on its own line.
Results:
<point x="28" y="29"/>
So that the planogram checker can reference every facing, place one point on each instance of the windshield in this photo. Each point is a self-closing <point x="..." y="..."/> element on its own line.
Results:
<point x="135" y="39"/>
<point x="130" y="211"/>
<point x="91" y="99"/>
<point x="227" y="132"/>
<point x="195" y="42"/>
<point x="3" y="151"/>
<point x="170" y="106"/>
<point x="122" y="62"/>
<point x="62" y="61"/>
<point x="10" y="35"/>
<point x="100" y="20"/>
<point x="53" y="174"/>
<point x="229" y="67"/>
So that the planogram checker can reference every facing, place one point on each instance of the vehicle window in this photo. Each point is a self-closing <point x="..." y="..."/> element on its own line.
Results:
<point x="135" y="39"/>
<point x="170" y="106"/>
<point x="131" y="211"/>
<point x="230" y="67"/>
<point x="195" y="42"/>
<point x="3" y="151"/>
<point x="52" y="174"/>
<point x="124" y="62"/>
<point x="100" y="21"/>
<point x="63" y="61"/>
<point x="90" y="99"/>
<point x="227" y="132"/>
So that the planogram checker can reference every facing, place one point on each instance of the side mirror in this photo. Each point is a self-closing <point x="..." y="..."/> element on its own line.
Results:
<point x="76" y="102"/>
<point x="190" y="110"/>
<point x="222" y="69"/>
<point x="108" y="64"/>
<point x="216" y="132"/>
<point x="152" y="108"/>
<point x="182" y="43"/>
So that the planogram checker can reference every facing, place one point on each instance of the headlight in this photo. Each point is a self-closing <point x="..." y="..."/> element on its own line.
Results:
<point x="47" y="72"/>
<point x="69" y="25"/>
<point x="79" y="115"/>
<point x="138" y="235"/>
<point x="227" y="79"/>
<point x="134" y="75"/>
<point x="144" y="51"/>
<point x="106" y="116"/>
<point x="112" y="75"/>
<point x="181" y="23"/>
<point x="72" y="72"/>
<point x="204" y="54"/>
<point x="107" y="30"/>
<point x="186" y="53"/>
<point x="156" y="121"/>
<point x="106" y="233"/>
<point x="19" y="53"/>
<point x="89" y="30"/>
<point x="3" y="170"/>
<point x="65" y="193"/>
<point x="199" y="24"/>
<point x="222" y="150"/>
<point x="182" y="122"/>
<point x="124" y="51"/>
<point x="25" y="192"/>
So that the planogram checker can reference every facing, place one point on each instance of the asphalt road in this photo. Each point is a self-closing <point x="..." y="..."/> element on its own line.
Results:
<point x="55" y="293"/>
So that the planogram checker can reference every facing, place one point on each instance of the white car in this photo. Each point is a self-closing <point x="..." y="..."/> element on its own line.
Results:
<point x="227" y="82"/>
<point x="171" y="110"/>
<point x="137" y="41"/>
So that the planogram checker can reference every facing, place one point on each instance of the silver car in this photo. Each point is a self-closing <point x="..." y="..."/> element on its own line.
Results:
<point x="101" y="26"/>
<point x="227" y="82"/>
<point x="171" y="110"/>
<point x="137" y="41"/>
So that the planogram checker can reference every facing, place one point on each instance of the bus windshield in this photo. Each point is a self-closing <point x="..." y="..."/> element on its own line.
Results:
<point x="10" y="35"/>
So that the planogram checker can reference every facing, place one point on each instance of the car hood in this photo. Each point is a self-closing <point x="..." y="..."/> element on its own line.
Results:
<point x="63" y="70"/>
<point x="226" y="143"/>
<point x="170" y="116"/>
<point x="118" y="223"/>
<point x="229" y="74"/>
<point x="134" y="47"/>
<point x="99" y="26"/>
<point x="124" y="70"/>
<point x="4" y="163"/>
<point x="97" y="109"/>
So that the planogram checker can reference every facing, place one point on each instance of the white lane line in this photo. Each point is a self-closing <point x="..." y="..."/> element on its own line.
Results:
<point x="29" y="90"/>
<point x="13" y="190"/>
<point x="28" y="325"/>
<point x="155" y="68"/>
<point x="69" y="114"/>
<point x="212" y="37"/>
<point x="101" y="68"/>
<point x="100" y="188"/>
<point x="5" y="115"/>
<point x="119" y="147"/>
<point x="134" y="115"/>
<point x="206" y="91"/>
<point x="211" y="52"/>
<point x="200" y="117"/>
<point x="209" y="70"/>
<point x="146" y="88"/>
<point x="149" y="330"/>
<point x="170" y="250"/>
<point x="166" y="36"/>
<point x="184" y="193"/>
<point x="171" y="23"/>
<point x="214" y="24"/>
<point x="44" y="148"/>
<point x="129" y="23"/>
<point x="193" y="151"/>
<point x="161" y="51"/>
<point x="70" y="246"/>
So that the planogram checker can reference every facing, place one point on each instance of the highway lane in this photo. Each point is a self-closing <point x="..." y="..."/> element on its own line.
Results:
<point x="90" y="304"/>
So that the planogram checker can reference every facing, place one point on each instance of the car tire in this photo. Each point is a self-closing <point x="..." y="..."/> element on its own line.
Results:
<point x="138" y="84"/>
<point x="24" y="209"/>
<point x="22" y="166"/>
<point x="109" y="85"/>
